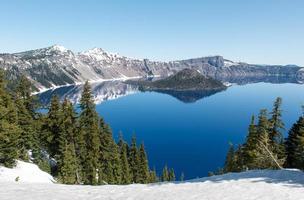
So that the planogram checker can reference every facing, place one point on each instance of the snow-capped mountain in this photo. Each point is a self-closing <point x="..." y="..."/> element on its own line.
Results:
<point x="57" y="66"/>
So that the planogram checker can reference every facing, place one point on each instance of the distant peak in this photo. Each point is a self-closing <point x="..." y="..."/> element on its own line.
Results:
<point x="95" y="50"/>
<point x="100" y="54"/>
<point x="60" y="48"/>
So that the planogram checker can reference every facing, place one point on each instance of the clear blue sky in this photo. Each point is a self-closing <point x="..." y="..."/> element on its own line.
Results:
<point x="255" y="31"/>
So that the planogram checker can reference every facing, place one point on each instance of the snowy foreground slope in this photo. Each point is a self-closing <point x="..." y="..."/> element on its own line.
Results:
<point x="25" y="172"/>
<point x="258" y="185"/>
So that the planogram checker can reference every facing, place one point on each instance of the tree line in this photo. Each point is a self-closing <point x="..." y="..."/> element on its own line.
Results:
<point x="75" y="147"/>
<point x="265" y="146"/>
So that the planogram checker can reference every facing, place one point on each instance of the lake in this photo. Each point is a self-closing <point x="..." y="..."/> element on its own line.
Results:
<point x="188" y="132"/>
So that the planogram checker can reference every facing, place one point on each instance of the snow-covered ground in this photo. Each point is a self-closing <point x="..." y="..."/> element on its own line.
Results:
<point x="26" y="173"/>
<point x="251" y="185"/>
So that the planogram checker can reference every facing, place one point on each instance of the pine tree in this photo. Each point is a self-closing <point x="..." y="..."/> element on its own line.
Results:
<point x="68" y="126"/>
<point x="109" y="157"/>
<point x="9" y="135"/>
<point x="52" y="127"/>
<point x="69" y="166"/>
<point x="165" y="174"/>
<point x="80" y="147"/>
<point x="291" y="145"/>
<point x="143" y="167"/>
<point x="24" y="90"/>
<point x="230" y="163"/>
<point x="134" y="160"/>
<point x="276" y="128"/>
<point x="266" y="157"/>
<point x="153" y="176"/>
<point x="182" y="176"/>
<point x="88" y="123"/>
<point x="299" y="151"/>
<point x="276" y="123"/>
<point x="250" y="146"/>
<point x="263" y="138"/>
<point x="9" y="129"/>
<point x="25" y="121"/>
<point x="295" y="145"/>
<point x="126" y="177"/>
<point x="29" y="122"/>
<point x="69" y="121"/>
<point x="171" y="175"/>
<point x="67" y="141"/>
<point x="28" y="119"/>
<point x="239" y="162"/>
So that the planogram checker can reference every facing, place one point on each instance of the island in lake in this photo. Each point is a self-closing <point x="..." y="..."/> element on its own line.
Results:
<point x="187" y="85"/>
<point x="185" y="80"/>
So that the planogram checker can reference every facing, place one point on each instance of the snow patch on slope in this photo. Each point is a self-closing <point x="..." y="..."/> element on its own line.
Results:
<point x="228" y="63"/>
<point x="25" y="173"/>
<point x="251" y="185"/>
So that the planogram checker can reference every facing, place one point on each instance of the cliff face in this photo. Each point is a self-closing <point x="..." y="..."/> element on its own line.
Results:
<point x="56" y="66"/>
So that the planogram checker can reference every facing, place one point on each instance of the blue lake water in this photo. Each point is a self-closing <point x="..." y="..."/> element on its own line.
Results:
<point x="193" y="137"/>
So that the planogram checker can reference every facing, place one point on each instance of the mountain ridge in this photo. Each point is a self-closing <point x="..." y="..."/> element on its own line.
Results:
<point x="58" y="66"/>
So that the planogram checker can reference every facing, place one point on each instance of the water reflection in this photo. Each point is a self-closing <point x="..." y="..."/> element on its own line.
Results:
<point x="103" y="91"/>
<point x="189" y="96"/>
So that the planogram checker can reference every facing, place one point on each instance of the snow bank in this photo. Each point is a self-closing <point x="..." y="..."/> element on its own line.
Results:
<point x="25" y="173"/>
<point x="251" y="185"/>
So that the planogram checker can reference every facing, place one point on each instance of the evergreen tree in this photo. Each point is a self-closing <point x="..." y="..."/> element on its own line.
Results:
<point x="230" y="163"/>
<point x="9" y="129"/>
<point x="134" y="160"/>
<point x="29" y="119"/>
<point x="239" y="159"/>
<point x="69" y="122"/>
<point x="153" y="176"/>
<point x="299" y="151"/>
<point x="182" y="176"/>
<point x="80" y="147"/>
<point x="68" y="126"/>
<point x="109" y="157"/>
<point x="171" y="175"/>
<point x="250" y="146"/>
<point x="25" y="122"/>
<point x="262" y="140"/>
<point x="69" y="165"/>
<point x="126" y="177"/>
<point x="67" y="141"/>
<point x="266" y="157"/>
<point x="276" y="123"/>
<point x="165" y="174"/>
<point x="295" y="145"/>
<point x="291" y="144"/>
<point x="143" y="167"/>
<point x="276" y="128"/>
<point x="88" y="123"/>
<point x="25" y="90"/>
<point x="52" y="127"/>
